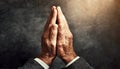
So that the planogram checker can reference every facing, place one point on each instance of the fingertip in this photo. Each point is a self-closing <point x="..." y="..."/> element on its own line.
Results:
<point x="55" y="10"/>
<point x="59" y="13"/>
<point x="58" y="7"/>
<point x="53" y="7"/>
<point x="54" y="15"/>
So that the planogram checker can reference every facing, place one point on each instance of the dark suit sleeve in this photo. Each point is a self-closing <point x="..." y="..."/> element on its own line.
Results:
<point x="31" y="64"/>
<point x="79" y="64"/>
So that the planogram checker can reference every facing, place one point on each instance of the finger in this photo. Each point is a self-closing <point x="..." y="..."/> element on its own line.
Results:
<point x="53" y="34"/>
<point x="61" y="17"/>
<point x="52" y="17"/>
<point x="61" y="20"/>
<point x="61" y="29"/>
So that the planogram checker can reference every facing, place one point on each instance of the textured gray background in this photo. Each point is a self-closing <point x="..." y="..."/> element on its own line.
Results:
<point x="94" y="23"/>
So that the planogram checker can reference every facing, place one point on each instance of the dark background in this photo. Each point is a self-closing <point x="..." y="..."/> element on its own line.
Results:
<point x="95" y="25"/>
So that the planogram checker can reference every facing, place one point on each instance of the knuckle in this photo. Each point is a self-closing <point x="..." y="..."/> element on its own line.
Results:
<point x="54" y="54"/>
<point x="44" y="37"/>
<point x="53" y="44"/>
<point x="61" y="25"/>
<point x="53" y="26"/>
<point x="60" y="34"/>
<point x="60" y="44"/>
<point x="70" y="35"/>
<point x="47" y="42"/>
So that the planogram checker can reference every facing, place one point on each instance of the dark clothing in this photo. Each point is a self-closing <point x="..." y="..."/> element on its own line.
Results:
<point x="79" y="64"/>
<point x="31" y="64"/>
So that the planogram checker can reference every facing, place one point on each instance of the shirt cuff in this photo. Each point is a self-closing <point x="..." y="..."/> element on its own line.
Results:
<point x="43" y="64"/>
<point x="71" y="62"/>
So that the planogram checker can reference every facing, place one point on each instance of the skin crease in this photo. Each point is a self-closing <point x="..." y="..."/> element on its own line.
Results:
<point x="57" y="39"/>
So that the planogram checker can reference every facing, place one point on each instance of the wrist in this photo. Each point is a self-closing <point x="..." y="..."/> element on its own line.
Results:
<point x="47" y="59"/>
<point x="69" y="58"/>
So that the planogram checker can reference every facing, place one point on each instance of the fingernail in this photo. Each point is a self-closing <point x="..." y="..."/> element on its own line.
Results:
<point x="58" y="7"/>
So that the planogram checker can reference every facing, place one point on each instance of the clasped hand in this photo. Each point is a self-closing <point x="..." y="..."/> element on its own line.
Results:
<point x="57" y="39"/>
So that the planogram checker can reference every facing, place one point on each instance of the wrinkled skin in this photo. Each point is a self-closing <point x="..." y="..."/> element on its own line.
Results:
<point x="57" y="38"/>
